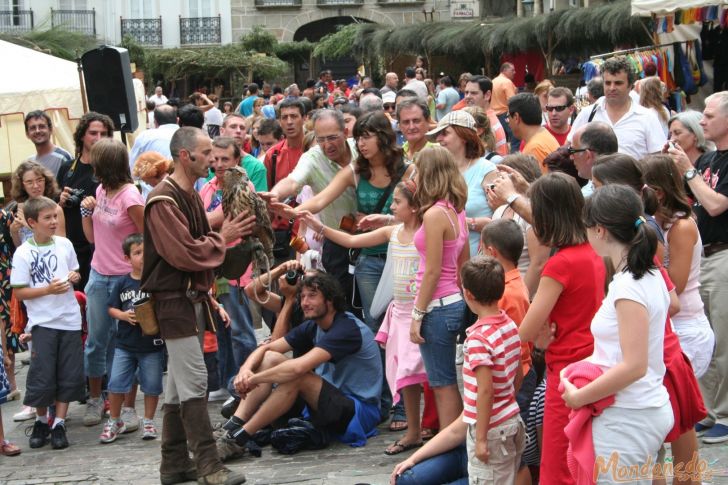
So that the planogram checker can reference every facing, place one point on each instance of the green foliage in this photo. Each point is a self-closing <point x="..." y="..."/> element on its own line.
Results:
<point x="56" y="42"/>
<point x="218" y="61"/>
<point x="259" y="40"/>
<point x="298" y="50"/>
<point x="137" y="53"/>
<point x="338" y="44"/>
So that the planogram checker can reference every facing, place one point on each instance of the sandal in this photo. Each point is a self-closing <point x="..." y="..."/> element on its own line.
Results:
<point x="8" y="449"/>
<point x="398" y="447"/>
<point x="428" y="433"/>
<point x="397" y="425"/>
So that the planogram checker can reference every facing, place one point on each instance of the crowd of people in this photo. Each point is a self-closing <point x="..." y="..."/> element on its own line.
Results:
<point x="573" y="262"/>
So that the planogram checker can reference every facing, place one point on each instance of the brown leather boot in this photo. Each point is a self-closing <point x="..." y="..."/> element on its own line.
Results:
<point x="176" y="466"/>
<point x="199" y="436"/>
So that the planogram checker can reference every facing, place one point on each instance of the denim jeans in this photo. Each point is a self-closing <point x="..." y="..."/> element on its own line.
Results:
<point x="99" y="350"/>
<point x="126" y="365"/>
<point x="440" y="328"/>
<point x="368" y="272"/>
<point x="225" y="356"/>
<point x="449" y="468"/>
<point x="241" y="325"/>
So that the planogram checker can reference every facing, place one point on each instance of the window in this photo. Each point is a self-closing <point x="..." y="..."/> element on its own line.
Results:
<point x="141" y="9"/>
<point x="72" y="4"/>
<point x="200" y="8"/>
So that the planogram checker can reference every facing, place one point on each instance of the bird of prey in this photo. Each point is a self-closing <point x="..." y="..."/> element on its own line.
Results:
<point x="238" y="195"/>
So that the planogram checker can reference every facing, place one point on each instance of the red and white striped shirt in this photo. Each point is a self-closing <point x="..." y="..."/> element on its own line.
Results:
<point x="493" y="342"/>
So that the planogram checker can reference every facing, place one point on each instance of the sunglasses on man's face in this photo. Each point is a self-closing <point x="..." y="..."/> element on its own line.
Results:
<point x="388" y="106"/>
<point x="573" y="150"/>
<point x="559" y="108"/>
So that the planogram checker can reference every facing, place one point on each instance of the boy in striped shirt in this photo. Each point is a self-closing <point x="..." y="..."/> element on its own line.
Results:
<point x="491" y="375"/>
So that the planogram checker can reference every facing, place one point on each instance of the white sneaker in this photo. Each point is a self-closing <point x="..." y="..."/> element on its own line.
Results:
<point x="130" y="418"/>
<point x="219" y="395"/>
<point x="94" y="411"/>
<point x="25" y="414"/>
<point x="459" y="356"/>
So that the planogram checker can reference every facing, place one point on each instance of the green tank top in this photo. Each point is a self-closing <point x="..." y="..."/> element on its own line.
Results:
<point x="367" y="197"/>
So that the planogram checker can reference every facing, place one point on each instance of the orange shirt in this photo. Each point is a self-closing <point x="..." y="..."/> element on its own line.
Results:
<point x="503" y="89"/>
<point x="209" y="342"/>
<point x="541" y="145"/>
<point x="515" y="303"/>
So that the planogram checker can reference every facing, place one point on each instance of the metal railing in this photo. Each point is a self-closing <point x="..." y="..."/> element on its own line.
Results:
<point x="83" y="21"/>
<point x="199" y="30"/>
<point x="278" y="3"/>
<point x="145" y="31"/>
<point x="400" y="2"/>
<point x="16" y="20"/>
<point x="338" y="3"/>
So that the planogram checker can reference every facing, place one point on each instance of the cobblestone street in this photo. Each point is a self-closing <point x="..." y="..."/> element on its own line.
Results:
<point x="130" y="460"/>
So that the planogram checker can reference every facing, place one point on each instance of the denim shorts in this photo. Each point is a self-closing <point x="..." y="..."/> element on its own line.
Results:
<point x="149" y="364"/>
<point x="440" y="328"/>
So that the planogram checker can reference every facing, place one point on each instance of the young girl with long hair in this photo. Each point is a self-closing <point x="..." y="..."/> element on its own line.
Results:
<point x="29" y="181"/>
<point x="114" y="213"/>
<point x="568" y="295"/>
<point x="404" y="368"/>
<point x="628" y="335"/>
<point x="442" y="244"/>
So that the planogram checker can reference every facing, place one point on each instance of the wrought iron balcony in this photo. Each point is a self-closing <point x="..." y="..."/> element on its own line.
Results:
<point x="400" y="2"/>
<point x="338" y="3"/>
<point x="83" y="21"/>
<point x="199" y="30"/>
<point x="278" y="3"/>
<point x="147" y="32"/>
<point x="16" y="20"/>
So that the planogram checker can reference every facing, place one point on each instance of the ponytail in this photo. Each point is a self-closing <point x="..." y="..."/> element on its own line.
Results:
<point x="618" y="209"/>
<point x="649" y="200"/>
<point x="642" y="248"/>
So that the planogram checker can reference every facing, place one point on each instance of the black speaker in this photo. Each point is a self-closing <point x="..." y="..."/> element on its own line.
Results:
<point x="109" y="87"/>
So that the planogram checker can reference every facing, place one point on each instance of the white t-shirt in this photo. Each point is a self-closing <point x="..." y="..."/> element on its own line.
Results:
<point x="213" y="116"/>
<point x="649" y="291"/>
<point x="34" y="267"/>
<point x="638" y="131"/>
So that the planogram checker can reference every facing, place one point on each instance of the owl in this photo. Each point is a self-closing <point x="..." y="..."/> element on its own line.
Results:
<point x="238" y="196"/>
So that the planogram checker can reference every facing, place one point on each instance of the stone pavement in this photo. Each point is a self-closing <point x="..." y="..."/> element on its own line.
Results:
<point x="132" y="461"/>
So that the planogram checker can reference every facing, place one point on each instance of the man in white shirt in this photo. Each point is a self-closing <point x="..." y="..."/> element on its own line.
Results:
<point x="411" y="82"/>
<point x="159" y="98"/>
<point x="637" y="128"/>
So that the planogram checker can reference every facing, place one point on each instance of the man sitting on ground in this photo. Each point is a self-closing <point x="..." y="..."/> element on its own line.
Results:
<point x="338" y="374"/>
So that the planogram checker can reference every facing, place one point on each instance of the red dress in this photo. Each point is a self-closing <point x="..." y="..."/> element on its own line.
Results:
<point x="581" y="272"/>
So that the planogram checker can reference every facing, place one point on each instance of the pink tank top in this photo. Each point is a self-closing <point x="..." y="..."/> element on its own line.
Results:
<point x="447" y="284"/>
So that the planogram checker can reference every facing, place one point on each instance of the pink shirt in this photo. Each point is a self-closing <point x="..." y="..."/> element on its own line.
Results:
<point x="112" y="225"/>
<point x="447" y="284"/>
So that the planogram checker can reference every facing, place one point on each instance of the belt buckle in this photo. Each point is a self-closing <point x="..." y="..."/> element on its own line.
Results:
<point x="157" y="342"/>
<point x="191" y="293"/>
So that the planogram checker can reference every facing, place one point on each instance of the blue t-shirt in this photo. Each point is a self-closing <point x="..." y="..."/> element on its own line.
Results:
<point x="125" y="292"/>
<point x="355" y="367"/>
<point x="246" y="107"/>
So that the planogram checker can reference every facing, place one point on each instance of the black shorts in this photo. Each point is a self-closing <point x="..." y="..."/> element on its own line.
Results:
<point x="56" y="367"/>
<point x="335" y="409"/>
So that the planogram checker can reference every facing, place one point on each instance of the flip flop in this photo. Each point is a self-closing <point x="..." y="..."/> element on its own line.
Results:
<point x="8" y="449"/>
<point x="398" y="447"/>
<point x="397" y="425"/>
<point x="427" y="434"/>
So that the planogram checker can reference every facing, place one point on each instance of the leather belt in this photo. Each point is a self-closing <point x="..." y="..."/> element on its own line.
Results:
<point x="711" y="249"/>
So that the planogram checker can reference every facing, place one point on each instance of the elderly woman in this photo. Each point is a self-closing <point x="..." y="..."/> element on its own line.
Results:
<point x="685" y="130"/>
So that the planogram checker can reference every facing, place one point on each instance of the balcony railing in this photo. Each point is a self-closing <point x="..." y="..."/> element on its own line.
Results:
<point x="277" y="3"/>
<point x="400" y="2"/>
<point x="83" y="21"/>
<point x="199" y="30"/>
<point x="338" y="3"/>
<point x="145" y="31"/>
<point x="16" y="20"/>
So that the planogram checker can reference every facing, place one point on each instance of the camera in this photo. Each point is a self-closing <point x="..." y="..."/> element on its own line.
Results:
<point x="75" y="197"/>
<point x="292" y="276"/>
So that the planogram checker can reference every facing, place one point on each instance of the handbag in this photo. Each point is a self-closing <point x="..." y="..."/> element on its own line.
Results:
<point x="385" y="289"/>
<point x="146" y="317"/>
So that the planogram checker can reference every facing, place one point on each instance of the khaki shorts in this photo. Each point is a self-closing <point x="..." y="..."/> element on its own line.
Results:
<point x="505" y="446"/>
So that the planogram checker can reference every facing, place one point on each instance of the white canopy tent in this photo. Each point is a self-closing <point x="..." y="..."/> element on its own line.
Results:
<point x="33" y="80"/>
<point x="646" y="8"/>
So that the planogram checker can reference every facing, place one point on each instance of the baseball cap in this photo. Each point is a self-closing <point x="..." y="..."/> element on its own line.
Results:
<point x="457" y="118"/>
<point x="389" y="97"/>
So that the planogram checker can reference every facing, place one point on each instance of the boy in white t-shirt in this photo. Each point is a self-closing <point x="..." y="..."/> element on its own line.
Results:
<point x="44" y="269"/>
<point x="491" y="376"/>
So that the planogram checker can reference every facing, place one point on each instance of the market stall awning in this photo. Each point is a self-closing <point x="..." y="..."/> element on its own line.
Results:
<point x="646" y="8"/>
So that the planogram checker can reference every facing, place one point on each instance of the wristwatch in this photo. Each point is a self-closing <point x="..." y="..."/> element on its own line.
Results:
<point x="690" y="174"/>
<point x="512" y="198"/>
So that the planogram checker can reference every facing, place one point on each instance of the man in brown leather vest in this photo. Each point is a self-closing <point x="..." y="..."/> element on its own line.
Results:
<point x="179" y="265"/>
